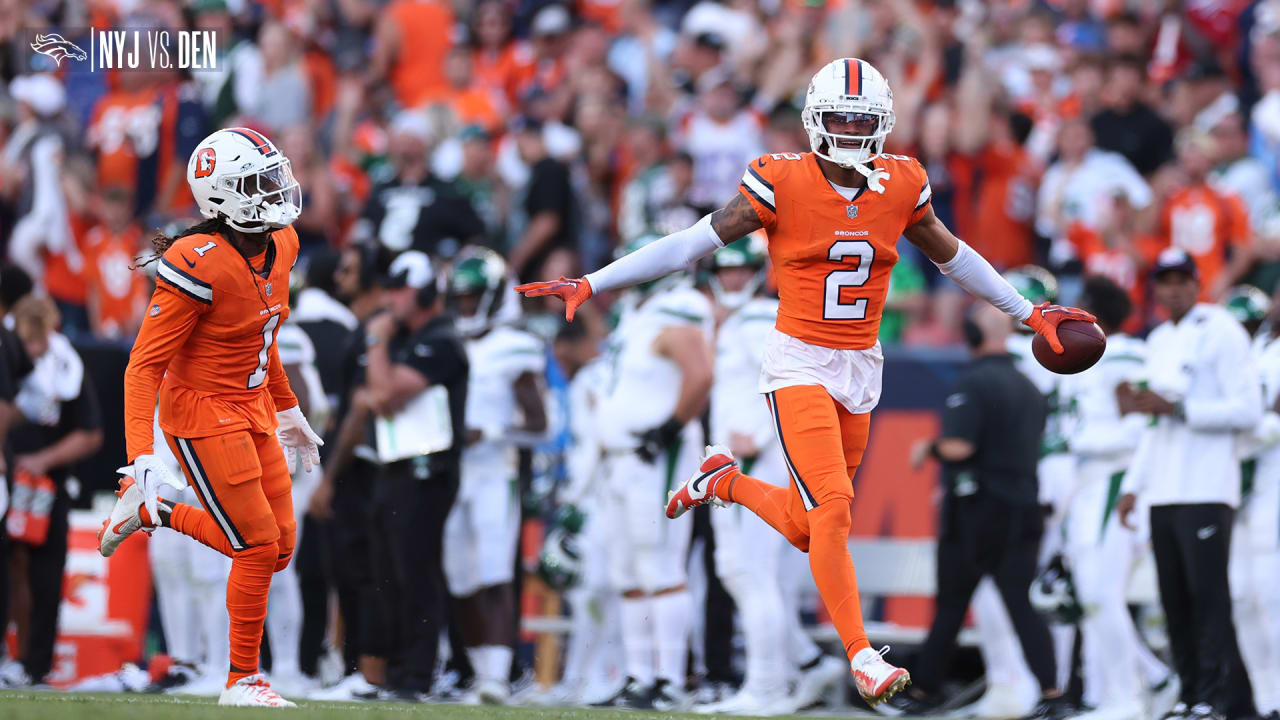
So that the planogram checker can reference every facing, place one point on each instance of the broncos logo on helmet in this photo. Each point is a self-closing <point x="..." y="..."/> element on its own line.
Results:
<point x="58" y="48"/>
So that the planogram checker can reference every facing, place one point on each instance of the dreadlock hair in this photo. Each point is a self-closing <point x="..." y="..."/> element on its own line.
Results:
<point x="160" y="242"/>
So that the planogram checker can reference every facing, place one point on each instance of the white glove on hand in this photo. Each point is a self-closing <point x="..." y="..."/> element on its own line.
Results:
<point x="297" y="437"/>
<point x="149" y="472"/>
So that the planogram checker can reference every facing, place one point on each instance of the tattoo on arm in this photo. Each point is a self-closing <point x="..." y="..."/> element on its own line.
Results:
<point x="736" y="219"/>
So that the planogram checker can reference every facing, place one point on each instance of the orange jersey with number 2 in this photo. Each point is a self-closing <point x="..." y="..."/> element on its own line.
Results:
<point x="208" y="342"/>
<point x="833" y="256"/>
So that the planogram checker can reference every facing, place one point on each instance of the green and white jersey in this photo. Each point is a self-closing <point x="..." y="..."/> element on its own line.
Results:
<point x="497" y="359"/>
<point x="646" y="385"/>
<point x="736" y="405"/>
<point x="1055" y="432"/>
<point x="1096" y="430"/>
<point x="296" y="348"/>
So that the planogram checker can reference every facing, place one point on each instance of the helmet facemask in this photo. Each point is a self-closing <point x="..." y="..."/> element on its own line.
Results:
<point x="268" y="199"/>
<point x="848" y="149"/>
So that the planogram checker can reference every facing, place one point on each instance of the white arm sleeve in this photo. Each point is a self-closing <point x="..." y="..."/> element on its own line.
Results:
<point x="658" y="258"/>
<point x="972" y="272"/>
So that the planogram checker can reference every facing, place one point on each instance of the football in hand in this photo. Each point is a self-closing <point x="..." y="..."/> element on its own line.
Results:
<point x="1082" y="345"/>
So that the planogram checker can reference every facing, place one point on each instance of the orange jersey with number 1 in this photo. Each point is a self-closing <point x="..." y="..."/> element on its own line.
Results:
<point x="833" y="256"/>
<point x="208" y="343"/>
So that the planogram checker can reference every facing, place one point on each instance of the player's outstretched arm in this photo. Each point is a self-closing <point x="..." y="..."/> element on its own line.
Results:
<point x="972" y="272"/>
<point x="658" y="258"/>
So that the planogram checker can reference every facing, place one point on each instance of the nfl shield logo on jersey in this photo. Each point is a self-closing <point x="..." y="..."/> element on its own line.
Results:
<point x="851" y="211"/>
<point x="268" y="288"/>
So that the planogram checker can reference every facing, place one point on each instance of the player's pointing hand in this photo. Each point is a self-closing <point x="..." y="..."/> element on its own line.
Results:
<point x="573" y="291"/>
<point x="1045" y="319"/>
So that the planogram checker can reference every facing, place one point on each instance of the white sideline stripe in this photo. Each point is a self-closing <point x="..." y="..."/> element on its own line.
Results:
<point x="210" y="499"/>
<point x="201" y="291"/>
<point x="925" y="194"/>
<point x="758" y="187"/>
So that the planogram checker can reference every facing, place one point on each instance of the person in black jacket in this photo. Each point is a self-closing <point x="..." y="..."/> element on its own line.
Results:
<point x="60" y="425"/>
<point x="415" y="209"/>
<point x="991" y="522"/>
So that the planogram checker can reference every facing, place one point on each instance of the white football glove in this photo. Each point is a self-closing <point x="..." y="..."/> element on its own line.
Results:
<point x="297" y="438"/>
<point x="149" y="472"/>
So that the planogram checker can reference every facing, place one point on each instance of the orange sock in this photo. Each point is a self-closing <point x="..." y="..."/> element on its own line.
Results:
<point x="834" y="574"/>
<point x="247" y="589"/>
<point x="766" y="500"/>
<point x="196" y="523"/>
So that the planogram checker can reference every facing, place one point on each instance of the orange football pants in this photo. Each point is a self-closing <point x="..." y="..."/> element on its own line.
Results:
<point x="822" y="443"/>
<point x="243" y="483"/>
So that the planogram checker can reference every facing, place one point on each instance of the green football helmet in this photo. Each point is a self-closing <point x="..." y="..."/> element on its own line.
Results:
<point x="1249" y="305"/>
<point x="749" y="251"/>
<point x="477" y="271"/>
<point x="560" y="562"/>
<point x="1034" y="283"/>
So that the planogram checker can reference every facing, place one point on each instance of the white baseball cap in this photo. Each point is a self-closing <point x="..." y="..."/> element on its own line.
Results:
<point x="44" y="94"/>
<point x="411" y="268"/>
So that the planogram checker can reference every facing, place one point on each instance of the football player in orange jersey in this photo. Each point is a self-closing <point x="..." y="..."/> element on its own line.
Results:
<point x="207" y="349"/>
<point x="833" y="217"/>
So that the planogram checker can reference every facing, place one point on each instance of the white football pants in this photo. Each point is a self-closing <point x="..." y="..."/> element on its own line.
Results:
<point x="1255" y="586"/>
<point x="1102" y="555"/>
<point x="649" y="554"/>
<point x="482" y="529"/>
<point x="749" y="558"/>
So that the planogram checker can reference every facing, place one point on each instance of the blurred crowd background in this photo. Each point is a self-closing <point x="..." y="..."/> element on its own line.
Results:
<point x="1080" y="135"/>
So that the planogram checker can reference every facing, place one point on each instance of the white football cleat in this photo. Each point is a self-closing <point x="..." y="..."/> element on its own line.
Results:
<point x="125" y="518"/>
<point x="814" y="683"/>
<point x="717" y="463"/>
<point x="253" y="691"/>
<point x="491" y="691"/>
<point x="876" y="679"/>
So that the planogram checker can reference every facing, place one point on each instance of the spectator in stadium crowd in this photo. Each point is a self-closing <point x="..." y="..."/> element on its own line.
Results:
<point x="1080" y="185"/>
<point x="1127" y="125"/>
<point x="1238" y="173"/>
<point x="721" y="136"/>
<point x="415" y="209"/>
<point x="40" y="240"/>
<point x="546" y="242"/>
<point x="991" y="522"/>
<point x="1209" y="225"/>
<point x="1200" y="388"/>
<point x="61" y="425"/>
<point x="116" y="293"/>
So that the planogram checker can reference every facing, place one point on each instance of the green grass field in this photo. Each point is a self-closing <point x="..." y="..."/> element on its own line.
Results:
<point x="26" y="705"/>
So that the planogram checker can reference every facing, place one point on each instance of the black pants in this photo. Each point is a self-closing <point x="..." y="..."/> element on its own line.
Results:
<point x="347" y="554"/>
<point x="308" y="560"/>
<point x="45" y="566"/>
<point x="1192" y="546"/>
<point x="406" y="544"/>
<point x="983" y="535"/>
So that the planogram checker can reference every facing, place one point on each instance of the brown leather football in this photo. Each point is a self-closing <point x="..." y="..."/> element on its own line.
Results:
<point x="1082" y="345"/>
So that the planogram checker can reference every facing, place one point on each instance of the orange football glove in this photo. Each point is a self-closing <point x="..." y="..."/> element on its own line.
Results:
<point x="1045" y="319"/>
<point x="573" y="291"/>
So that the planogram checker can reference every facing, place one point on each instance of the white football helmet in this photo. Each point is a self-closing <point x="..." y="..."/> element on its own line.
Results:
<point x="852" y="86"/>
<point x="241" y="176"/>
